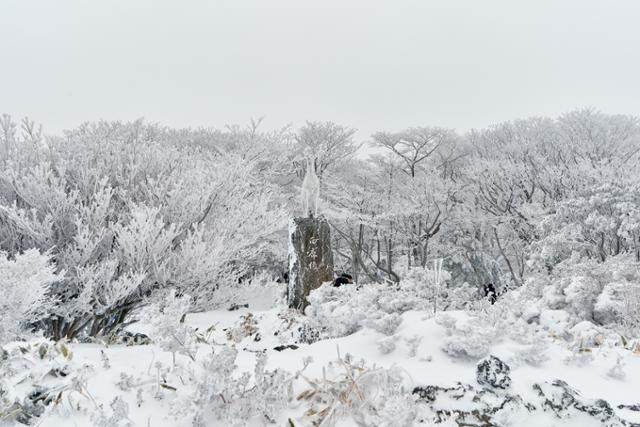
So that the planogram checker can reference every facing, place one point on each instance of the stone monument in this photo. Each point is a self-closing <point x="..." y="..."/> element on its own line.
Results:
<point x="310" y="256"/>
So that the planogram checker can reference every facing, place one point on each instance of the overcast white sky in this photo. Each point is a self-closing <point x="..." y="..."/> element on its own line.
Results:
<point x="369" y="64"/>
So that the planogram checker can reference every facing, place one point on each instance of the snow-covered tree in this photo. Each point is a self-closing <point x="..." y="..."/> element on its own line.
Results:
<point x="126" y="209"/>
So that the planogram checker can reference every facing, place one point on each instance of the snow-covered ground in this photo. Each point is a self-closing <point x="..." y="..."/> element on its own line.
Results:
<point x="146" y="380"/>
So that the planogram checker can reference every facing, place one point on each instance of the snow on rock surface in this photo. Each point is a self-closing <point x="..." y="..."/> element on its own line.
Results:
<point x="493" y="372"/>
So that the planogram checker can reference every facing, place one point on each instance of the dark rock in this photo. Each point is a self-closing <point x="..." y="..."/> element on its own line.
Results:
<point x="235" y="307"/>
<point x="430" y="392"/>
<point x="427" y="393"/>
<point x="285" y="347"/>
<point x="534" y="319"/>
<point x="129" y="339"/>
<point x="635" y="408"/>
<point x="493" y="372"/>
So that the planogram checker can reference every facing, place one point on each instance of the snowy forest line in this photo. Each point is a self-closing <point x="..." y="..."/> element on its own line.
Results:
<point x="101" y="218"/>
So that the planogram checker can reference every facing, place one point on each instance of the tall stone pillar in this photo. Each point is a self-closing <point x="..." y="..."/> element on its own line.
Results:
<point x="310" y="259"/>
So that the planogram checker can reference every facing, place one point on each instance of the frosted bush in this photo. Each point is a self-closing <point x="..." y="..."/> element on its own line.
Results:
<point x="128" y="208"/>
<point x="168" y="328"/>
<point x="606" y="293"/>
<point x="352" y="391"/>
<point x="581" y="293"/>
<point x="117" y="415"/>
<point x="617" y="370"/>
<point x="553" y="297"/>
<point x="295" y="327"/>
<point x="126" y="382"/>
<point x="246" y="326"/>
<point x="418" y="290"/>
<point x="457" y="297"/>
<point x="466" y="338"/>
<point x="385" y="323"/>
<point x="472" y="336"/>
<point x="579" y="357"/>
<point x="412" y="344"/>
<point x="619" y="304"/>
<point x="398" y="410"/>
<point x="337" y="312"/>
<point x="533" y="354"/>
<point x="24" y="282"/>
<point x="341" y="311"/>
<point x="387" y="345"/>
<point x="468" y="344"/>
<point x="219" y="393"/>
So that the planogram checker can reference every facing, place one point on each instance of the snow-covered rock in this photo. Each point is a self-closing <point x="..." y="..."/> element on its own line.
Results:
<point x="552" y="403"/>
<point x="493" y="372"/>
<point x="563" y="401"/>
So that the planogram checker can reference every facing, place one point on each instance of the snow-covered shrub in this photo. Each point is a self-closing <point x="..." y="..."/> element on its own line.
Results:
<point x="292" y="326"/>
<point x="24" y="281"/>
<point x="259" y="290"/>
<point x="583" y="289"/>
<point x="246" y="326"/>
<point x="617" y="370"/>
<point x="118" y="415"/>
<point x="352" y="391"/>
<point x="412" y="344"/>
<point x="458" y="297"/>
<point x="420" y="289"/>
<point x="619" y="304"/>
<point x="534" y="354"/>
<point x="168" y="328"/>
<point x="579" y="357"/>
<point x="387" y="345"/>
<point x="341" y="311"/>
<point x="466" y="339"/>
<point x="471" y="335"/>
<point x="218" y="393"/>
<point x="106" y="363"/>
<point x="385" y="323"/>
<point x="127" y="208"/>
